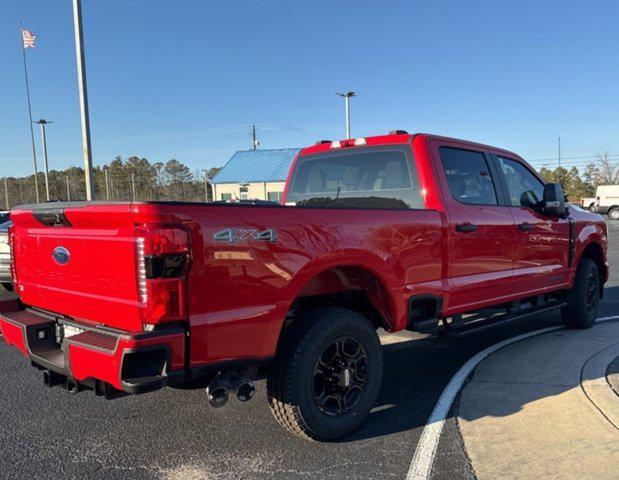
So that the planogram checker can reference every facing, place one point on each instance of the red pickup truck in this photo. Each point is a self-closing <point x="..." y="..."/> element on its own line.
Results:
<point x="400" y="231"/>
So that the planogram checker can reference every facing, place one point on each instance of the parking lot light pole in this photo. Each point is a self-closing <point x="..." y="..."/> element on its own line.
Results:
<point x="42" y="122"/>
<point x="83" y="92"/>
<point x="347" y="96"/>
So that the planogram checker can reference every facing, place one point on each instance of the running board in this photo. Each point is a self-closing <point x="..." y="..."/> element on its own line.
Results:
<point x="463" y="329"/>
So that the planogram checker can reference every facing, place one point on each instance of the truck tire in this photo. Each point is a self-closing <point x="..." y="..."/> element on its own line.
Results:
<point x="613" y="214"/>
<point x="592" y="208"/>
<point x="8" y="287"/>
<point x="327" y="374"/>
<point x="584" y="297"/>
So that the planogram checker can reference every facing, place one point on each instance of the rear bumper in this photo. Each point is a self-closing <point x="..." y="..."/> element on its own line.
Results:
<point x="95" y="358"/>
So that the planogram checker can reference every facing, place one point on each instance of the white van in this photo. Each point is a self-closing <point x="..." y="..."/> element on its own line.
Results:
<point x="588" y="204"/>
<point x="607" y="200"/>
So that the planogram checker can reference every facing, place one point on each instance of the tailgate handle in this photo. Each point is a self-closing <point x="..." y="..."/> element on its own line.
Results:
<point x="525" y="227"/>
<point x="52" y="218"/>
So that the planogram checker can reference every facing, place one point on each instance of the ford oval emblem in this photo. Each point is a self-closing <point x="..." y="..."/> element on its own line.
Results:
<point x="61" y="255"/>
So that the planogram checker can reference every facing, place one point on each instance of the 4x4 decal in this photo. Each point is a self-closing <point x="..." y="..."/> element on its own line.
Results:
<point x="234" y="235"/>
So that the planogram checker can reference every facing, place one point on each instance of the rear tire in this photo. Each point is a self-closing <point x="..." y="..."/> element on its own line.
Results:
<point x="584" y="297"/>
<point x="8" y="287"/>
<point x="327" y="374"/>
<point x="614" y="214"/>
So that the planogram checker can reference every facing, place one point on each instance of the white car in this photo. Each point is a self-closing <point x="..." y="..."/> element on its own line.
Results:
<point x="5" y="257"/>
<point x="607" y="201"/>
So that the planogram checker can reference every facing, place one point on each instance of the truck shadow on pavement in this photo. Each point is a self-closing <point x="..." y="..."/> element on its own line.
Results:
<point x="417" y="371"/>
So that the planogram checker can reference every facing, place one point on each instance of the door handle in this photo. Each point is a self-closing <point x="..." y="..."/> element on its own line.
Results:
<point x="466" y="227"/>
<point x="526" y="227"/>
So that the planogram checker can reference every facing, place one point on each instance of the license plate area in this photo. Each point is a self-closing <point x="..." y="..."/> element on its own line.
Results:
<point x="66" y="331"/>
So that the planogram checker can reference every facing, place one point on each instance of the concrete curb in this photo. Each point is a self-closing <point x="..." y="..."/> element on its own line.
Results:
<point x="596" y="387"/>
<point x="423" y="458"/>
<point x="543" y="408"/>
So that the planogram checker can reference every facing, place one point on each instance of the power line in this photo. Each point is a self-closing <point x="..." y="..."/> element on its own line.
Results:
<point x="580" y="157"/>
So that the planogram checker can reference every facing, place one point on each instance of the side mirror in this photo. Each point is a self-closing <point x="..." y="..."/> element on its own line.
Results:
<point x="554" y="200"/>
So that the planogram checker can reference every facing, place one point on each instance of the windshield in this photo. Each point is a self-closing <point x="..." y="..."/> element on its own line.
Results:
<point x="365" y="178"/>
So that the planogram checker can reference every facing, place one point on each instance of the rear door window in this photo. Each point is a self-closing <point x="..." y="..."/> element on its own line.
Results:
<point x="365" y="178"/>
<point x="468" y="176"/>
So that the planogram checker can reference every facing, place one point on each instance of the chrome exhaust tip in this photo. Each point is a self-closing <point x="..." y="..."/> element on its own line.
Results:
<point x="246" y="391"/>
<point x="217" y="395"/>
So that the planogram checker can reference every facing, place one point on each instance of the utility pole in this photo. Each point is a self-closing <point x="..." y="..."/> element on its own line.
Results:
<point x="68" y="190"/>
<point x="205" y="186"/>
<point x="347" y="96"/>
<point x="107" y="185"/>
<point x="255" y="143"/>
<point x="83" y="92"/>
<point x="42" y="122"/>
<point x="27" y="35"/>
<point x="6" y="194"/>
<point x="559" y="151"/>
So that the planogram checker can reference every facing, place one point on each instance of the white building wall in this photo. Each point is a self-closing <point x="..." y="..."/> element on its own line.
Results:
<point x="255" y="191"/>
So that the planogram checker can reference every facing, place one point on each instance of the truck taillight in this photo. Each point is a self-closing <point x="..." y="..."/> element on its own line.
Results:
<point x="12" y="253"/>
<point x="141" y="257"/>
<point x="163" y="260"/>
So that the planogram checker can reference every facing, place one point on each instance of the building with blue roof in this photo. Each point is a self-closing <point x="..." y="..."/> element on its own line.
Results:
<point x="254" y="174"/>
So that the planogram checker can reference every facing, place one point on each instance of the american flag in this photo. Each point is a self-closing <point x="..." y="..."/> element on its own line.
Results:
<point x="28" y="38"/>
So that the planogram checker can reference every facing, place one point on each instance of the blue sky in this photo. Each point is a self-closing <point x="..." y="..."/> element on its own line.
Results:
<point x="186" y="79"/>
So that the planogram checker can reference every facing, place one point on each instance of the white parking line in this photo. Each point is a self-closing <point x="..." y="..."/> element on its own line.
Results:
<point x="423" y="459"/>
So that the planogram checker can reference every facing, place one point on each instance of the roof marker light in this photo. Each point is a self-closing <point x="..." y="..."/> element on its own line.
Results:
<point x="350" y="142"/>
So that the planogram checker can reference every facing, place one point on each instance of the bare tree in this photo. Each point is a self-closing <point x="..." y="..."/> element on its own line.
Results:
<point x="605" y="171"/>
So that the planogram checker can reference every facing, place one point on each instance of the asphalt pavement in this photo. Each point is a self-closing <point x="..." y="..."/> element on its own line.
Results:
<point x="172" y="433"/>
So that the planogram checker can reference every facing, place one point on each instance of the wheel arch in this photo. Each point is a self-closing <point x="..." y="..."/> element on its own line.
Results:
<point x="594" y="251"/>
<point x="356" y="284"/>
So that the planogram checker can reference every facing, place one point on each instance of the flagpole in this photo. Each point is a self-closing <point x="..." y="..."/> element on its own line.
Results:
<point x="34" y="152"/>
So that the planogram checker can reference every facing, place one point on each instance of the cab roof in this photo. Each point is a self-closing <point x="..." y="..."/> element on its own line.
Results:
<point x="393" y="138"/>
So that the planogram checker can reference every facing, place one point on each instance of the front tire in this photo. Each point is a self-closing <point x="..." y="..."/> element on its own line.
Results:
<point x="584" y="297"/>
<point x="592" y="208"/>
<point x="327" y="374"/>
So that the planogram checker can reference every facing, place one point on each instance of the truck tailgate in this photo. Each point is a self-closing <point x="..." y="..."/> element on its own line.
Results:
<point x="79" y="261"/>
